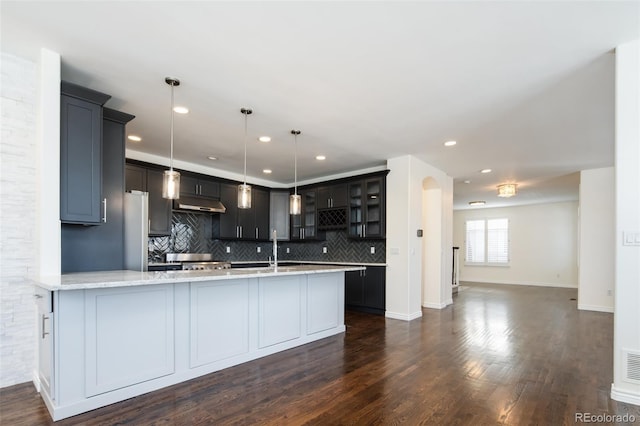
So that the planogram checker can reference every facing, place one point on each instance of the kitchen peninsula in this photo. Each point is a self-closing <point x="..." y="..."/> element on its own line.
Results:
<point x="109" y="336"/>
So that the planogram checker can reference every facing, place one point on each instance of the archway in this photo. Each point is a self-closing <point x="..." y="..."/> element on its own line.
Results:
<point x="432" y="256"/>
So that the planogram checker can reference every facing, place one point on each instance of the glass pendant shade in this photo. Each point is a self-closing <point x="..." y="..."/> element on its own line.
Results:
<point x="295" y="204"/>
<point x="244" y="196"/>
<point x="171" y="185"/>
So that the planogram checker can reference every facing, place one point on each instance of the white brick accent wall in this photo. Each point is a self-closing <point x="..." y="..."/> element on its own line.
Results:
<point x="18" y="221"/>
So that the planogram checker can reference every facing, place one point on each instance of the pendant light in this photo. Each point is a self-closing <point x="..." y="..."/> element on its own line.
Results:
<point x="295" y="201"/>
<point x="244" y="190"/>
<point x="171" y="178"/>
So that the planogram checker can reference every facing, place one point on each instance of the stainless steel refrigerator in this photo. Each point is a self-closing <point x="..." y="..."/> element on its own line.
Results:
<point x="136" y="230"/>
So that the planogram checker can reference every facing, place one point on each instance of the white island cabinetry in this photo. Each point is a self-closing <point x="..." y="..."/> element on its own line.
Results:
<point x="115" y="341"/>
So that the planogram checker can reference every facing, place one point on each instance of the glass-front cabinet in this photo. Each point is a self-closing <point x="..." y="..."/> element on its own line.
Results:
<point x="303" y="226"/>
<point x="366" y="208"/>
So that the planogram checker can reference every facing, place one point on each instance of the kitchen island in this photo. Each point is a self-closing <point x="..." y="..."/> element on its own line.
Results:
<point x="108" y="336"/>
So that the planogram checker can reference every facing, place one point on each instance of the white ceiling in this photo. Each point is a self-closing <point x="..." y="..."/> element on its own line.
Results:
<point x="526" y="88"/>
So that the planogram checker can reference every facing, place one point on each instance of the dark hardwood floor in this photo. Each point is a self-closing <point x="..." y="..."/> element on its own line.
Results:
<point x="510" y="355"/>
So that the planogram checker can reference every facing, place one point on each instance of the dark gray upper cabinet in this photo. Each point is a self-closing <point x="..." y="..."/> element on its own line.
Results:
<point x="101" y="248"/>
<point x="333" y="196"/>
<point x="135" y="178"/>
<point x="199" y="186"/>
<point x="244" y="224"/>
<point x="304" y="226"/>
<point x="367" y="208"/>
<point x="140" y="178"/>
<point x="159" y="208"/>
<point x="229" y="219"/>
<point x="81" y="199"/>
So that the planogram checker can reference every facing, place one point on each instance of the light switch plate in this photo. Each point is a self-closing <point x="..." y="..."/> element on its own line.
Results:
<point x="228" y="249"/>
<point x="373" y="250"/>
<point x="288" y="251"/>
<point x="631" y="238"/>
<point x="324" y="250"/>
<point x="258" y="249"/>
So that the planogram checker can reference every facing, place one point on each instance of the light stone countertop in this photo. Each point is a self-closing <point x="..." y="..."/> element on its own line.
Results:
<point x="90" y="280"/>
<point x="309" y="262"/>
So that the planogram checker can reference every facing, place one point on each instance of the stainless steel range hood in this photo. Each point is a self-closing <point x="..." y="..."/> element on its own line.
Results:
<point x="199" y="204"/>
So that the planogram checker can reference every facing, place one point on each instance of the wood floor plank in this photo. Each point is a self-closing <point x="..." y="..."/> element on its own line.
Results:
<point x="500" y="355"/>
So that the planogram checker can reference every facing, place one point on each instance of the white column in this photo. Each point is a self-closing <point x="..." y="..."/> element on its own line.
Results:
<point x="48" y="207"/>
<point x="626" y="345"/>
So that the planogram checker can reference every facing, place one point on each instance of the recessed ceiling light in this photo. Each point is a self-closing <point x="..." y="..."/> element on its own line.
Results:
<point x="485" y="171"/>
<point x="264" y="138"/>
<point x="450" y="143"/>
<point x="320" y="157"/>
<point x="467" y="181"/>
<point x="211" y="157"/>
<point x="266" y="171"/>
<point x="181" y="110"/>
<point x="477" y="203"/>
<point x="134" y="138"/>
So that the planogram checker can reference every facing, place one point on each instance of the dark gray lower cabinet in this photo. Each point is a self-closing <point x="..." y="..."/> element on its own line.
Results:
<point x="101" y="248"/>
<point x="365" y="290"/>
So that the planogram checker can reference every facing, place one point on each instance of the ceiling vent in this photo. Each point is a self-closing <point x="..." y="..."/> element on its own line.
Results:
<point x="631" y="366"/>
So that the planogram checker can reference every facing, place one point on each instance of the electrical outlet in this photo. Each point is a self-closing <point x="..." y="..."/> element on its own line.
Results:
<point x="259" y="249"/>
<point x="288" y="251"/>
<point x="324" y="250"/>
<point x="228" y="249"/>
<point x="373" y="250"/>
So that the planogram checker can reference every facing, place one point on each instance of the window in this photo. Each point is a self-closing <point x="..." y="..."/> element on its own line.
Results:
<point x="487" y="242"/>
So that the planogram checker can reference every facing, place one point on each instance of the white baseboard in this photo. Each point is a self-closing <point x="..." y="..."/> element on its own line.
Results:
<point x="403" y="317"/>
<point x="625" y="396"/>
<point x="434" y="305"/>
<point x="531" y="283"/>
<point x="595" y="308"/>
<point x="36" y="380"/>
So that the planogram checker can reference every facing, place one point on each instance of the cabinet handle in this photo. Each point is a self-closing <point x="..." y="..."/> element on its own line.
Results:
<point x="364" y="229"/>
<point x="240" y="230"/>
<point x="256" y="232"/>
<point x="37" y="296"/>
<point x="44" y="318"/>
<point x="149" y="227"/>
<point x="104" y="214"/>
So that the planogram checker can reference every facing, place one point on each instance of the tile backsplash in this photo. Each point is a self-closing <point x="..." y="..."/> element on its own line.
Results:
<point x="191" y="233"/>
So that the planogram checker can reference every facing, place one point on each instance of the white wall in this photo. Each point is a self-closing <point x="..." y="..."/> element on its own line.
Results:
<point x="627" y="265"/>
<point x="405" y="215"/>
<point x="18" y="230"/>
<point x="596" y="269"/>
<point x="543" y="245"/>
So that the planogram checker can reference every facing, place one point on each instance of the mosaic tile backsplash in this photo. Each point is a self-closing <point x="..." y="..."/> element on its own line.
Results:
<point x="191" y="233"/>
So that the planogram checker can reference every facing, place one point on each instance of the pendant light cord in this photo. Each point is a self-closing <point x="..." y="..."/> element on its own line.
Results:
<point x="245" y="147"/>
<point x="295" y="163"/>
<point x="171" y="156"/>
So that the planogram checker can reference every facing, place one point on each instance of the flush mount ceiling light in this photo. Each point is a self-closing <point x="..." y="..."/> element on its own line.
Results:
<point x="320" y="157"/>
<point x="507" y="190"/>
<point x="171" y="178"/>
<point x="485" y="171"/>
<point x="181" y="110"/>
<point x="212" y="158"/>
<point x="244" y="190"/>
<point x="450" y="143"/>
<point x="134" y="138"/>
<point x="267" y="171"/>
<point x="264" y="139"/>
<point x="477" y="203"/>
<point x="295" y="200"/>
<point x="467" y="181"/>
